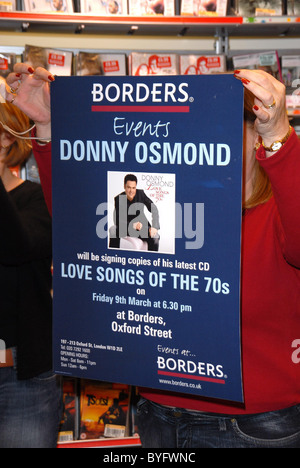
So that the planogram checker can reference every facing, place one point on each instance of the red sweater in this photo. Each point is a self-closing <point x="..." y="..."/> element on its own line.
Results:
<point x="270" y="291"/>
<point x="42" y="154"/>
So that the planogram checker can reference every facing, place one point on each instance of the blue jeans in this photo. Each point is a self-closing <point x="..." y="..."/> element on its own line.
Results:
<point x="163" y="427"/>
<point x="30" y="410"/>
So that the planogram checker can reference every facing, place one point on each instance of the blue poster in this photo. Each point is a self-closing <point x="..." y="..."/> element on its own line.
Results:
<point x="147" y="176"/>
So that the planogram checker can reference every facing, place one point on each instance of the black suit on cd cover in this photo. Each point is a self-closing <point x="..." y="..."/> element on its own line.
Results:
<point x="127" y="213"/>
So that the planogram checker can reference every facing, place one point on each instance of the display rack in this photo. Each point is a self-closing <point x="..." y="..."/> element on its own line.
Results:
<point x="151" y="25"/>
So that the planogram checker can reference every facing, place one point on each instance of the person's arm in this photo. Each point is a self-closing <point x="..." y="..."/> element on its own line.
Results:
<point x="281" y="161"/>
<point x="152" y="208"/>
<point x="32" y="96"/>
<point x="29" y="90"/>
<point x="42" y="154"/>
<point x="121" y="215"/>
<point x="271" y="122"/>
<point x="283" y="169"/>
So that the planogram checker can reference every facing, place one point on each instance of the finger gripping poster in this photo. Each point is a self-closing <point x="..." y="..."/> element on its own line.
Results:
<point x="146" y="231"/>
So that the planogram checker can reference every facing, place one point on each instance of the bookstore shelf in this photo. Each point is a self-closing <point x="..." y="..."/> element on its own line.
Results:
<point x="276" y="26"/>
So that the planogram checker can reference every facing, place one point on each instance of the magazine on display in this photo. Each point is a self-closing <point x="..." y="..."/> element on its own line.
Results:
<point x="152" y="7"/>
<point x="57" y="62"/>
<point x="204" y="7"/>
<point x="252" y="8"/>
<point x="202" y="64"/>
<point x="90" y="63"/>
<point x="49" y="6"/>
<point x="267" y="61"/>
<point x="141" y="64"/>
<point x="104" y="7"/>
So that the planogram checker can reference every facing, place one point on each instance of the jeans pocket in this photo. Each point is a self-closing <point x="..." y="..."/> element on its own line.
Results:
<point x="142" y="406"/>
<point x="46" y="377"/>
<point x="278" y="429"/>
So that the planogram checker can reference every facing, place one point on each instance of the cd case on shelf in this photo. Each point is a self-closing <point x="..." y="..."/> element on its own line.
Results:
<point x="90" y="63"/>
<point x="252" y="8"/>
<point x="104" y="7"/>
<point x="49" y="6"/>
<point x="267" y="61"/>
<point x="202" y="64"/>
<point x="56" y="61"/>
<point x="204" y="7"/>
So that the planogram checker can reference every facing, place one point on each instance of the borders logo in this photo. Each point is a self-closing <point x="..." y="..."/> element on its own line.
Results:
<point x="129" y="97"/>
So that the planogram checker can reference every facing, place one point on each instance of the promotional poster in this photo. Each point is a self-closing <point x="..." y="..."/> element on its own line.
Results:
<point x="147" y="177"/>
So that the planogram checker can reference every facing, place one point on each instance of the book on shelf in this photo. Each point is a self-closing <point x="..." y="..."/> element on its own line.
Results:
<point x="267" y="61"/>
<point x="104" y="7"/>
<point x="293" y="7"/>
<point x="57" y="62"/>
<point x="67" y="428"/>
<point x="151" y="7"/>
<point x="91" y="63"/>
<point x="253" y="8"/>
<point x="8" y="5"/>
<point x="104" y="410"/>
<point x="202" y="64"/>
<point x="204" y="7"/>
<point x="153" y="64"/>
<point x="49" y="6"/>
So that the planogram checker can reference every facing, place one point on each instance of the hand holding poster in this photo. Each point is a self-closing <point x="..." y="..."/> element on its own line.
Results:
<point x="146" y="229"/>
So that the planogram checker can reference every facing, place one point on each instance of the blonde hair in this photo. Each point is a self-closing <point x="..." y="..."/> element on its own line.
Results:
<point x="262" y="190"/>
<point x="15" y="119"/>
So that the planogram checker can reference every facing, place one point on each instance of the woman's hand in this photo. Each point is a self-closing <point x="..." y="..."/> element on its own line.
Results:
<point x="272" y="122"/>
<point x="29" y="90"/>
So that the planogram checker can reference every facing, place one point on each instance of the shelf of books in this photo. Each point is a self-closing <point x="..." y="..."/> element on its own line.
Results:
<point x="285" y="66"/>
<point x="98" y="414"/>
<point x="163" y="17"/>
<point x="152" y="25"/>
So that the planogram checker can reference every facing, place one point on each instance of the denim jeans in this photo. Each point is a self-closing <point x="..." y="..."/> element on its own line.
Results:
<point x="163" y="427"/>
<point x="30" y="410"/>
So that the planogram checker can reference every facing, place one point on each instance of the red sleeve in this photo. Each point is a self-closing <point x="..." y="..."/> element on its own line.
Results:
<point x="42" y="154"/>
<point x="283" y="169"/>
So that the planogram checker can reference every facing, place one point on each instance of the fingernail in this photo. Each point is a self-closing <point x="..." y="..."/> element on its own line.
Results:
<point x="31" y="70"/>
<point x="51" y="78"/>
<point x="18" y="75"/>
<point x="236" y="72"/>
<point x="245" y="81"/>
<point x="256" y="108"/>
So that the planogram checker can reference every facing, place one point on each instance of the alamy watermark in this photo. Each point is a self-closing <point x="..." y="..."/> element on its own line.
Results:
<point x="189" y="222"/>
<point x="296" y="353"/>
